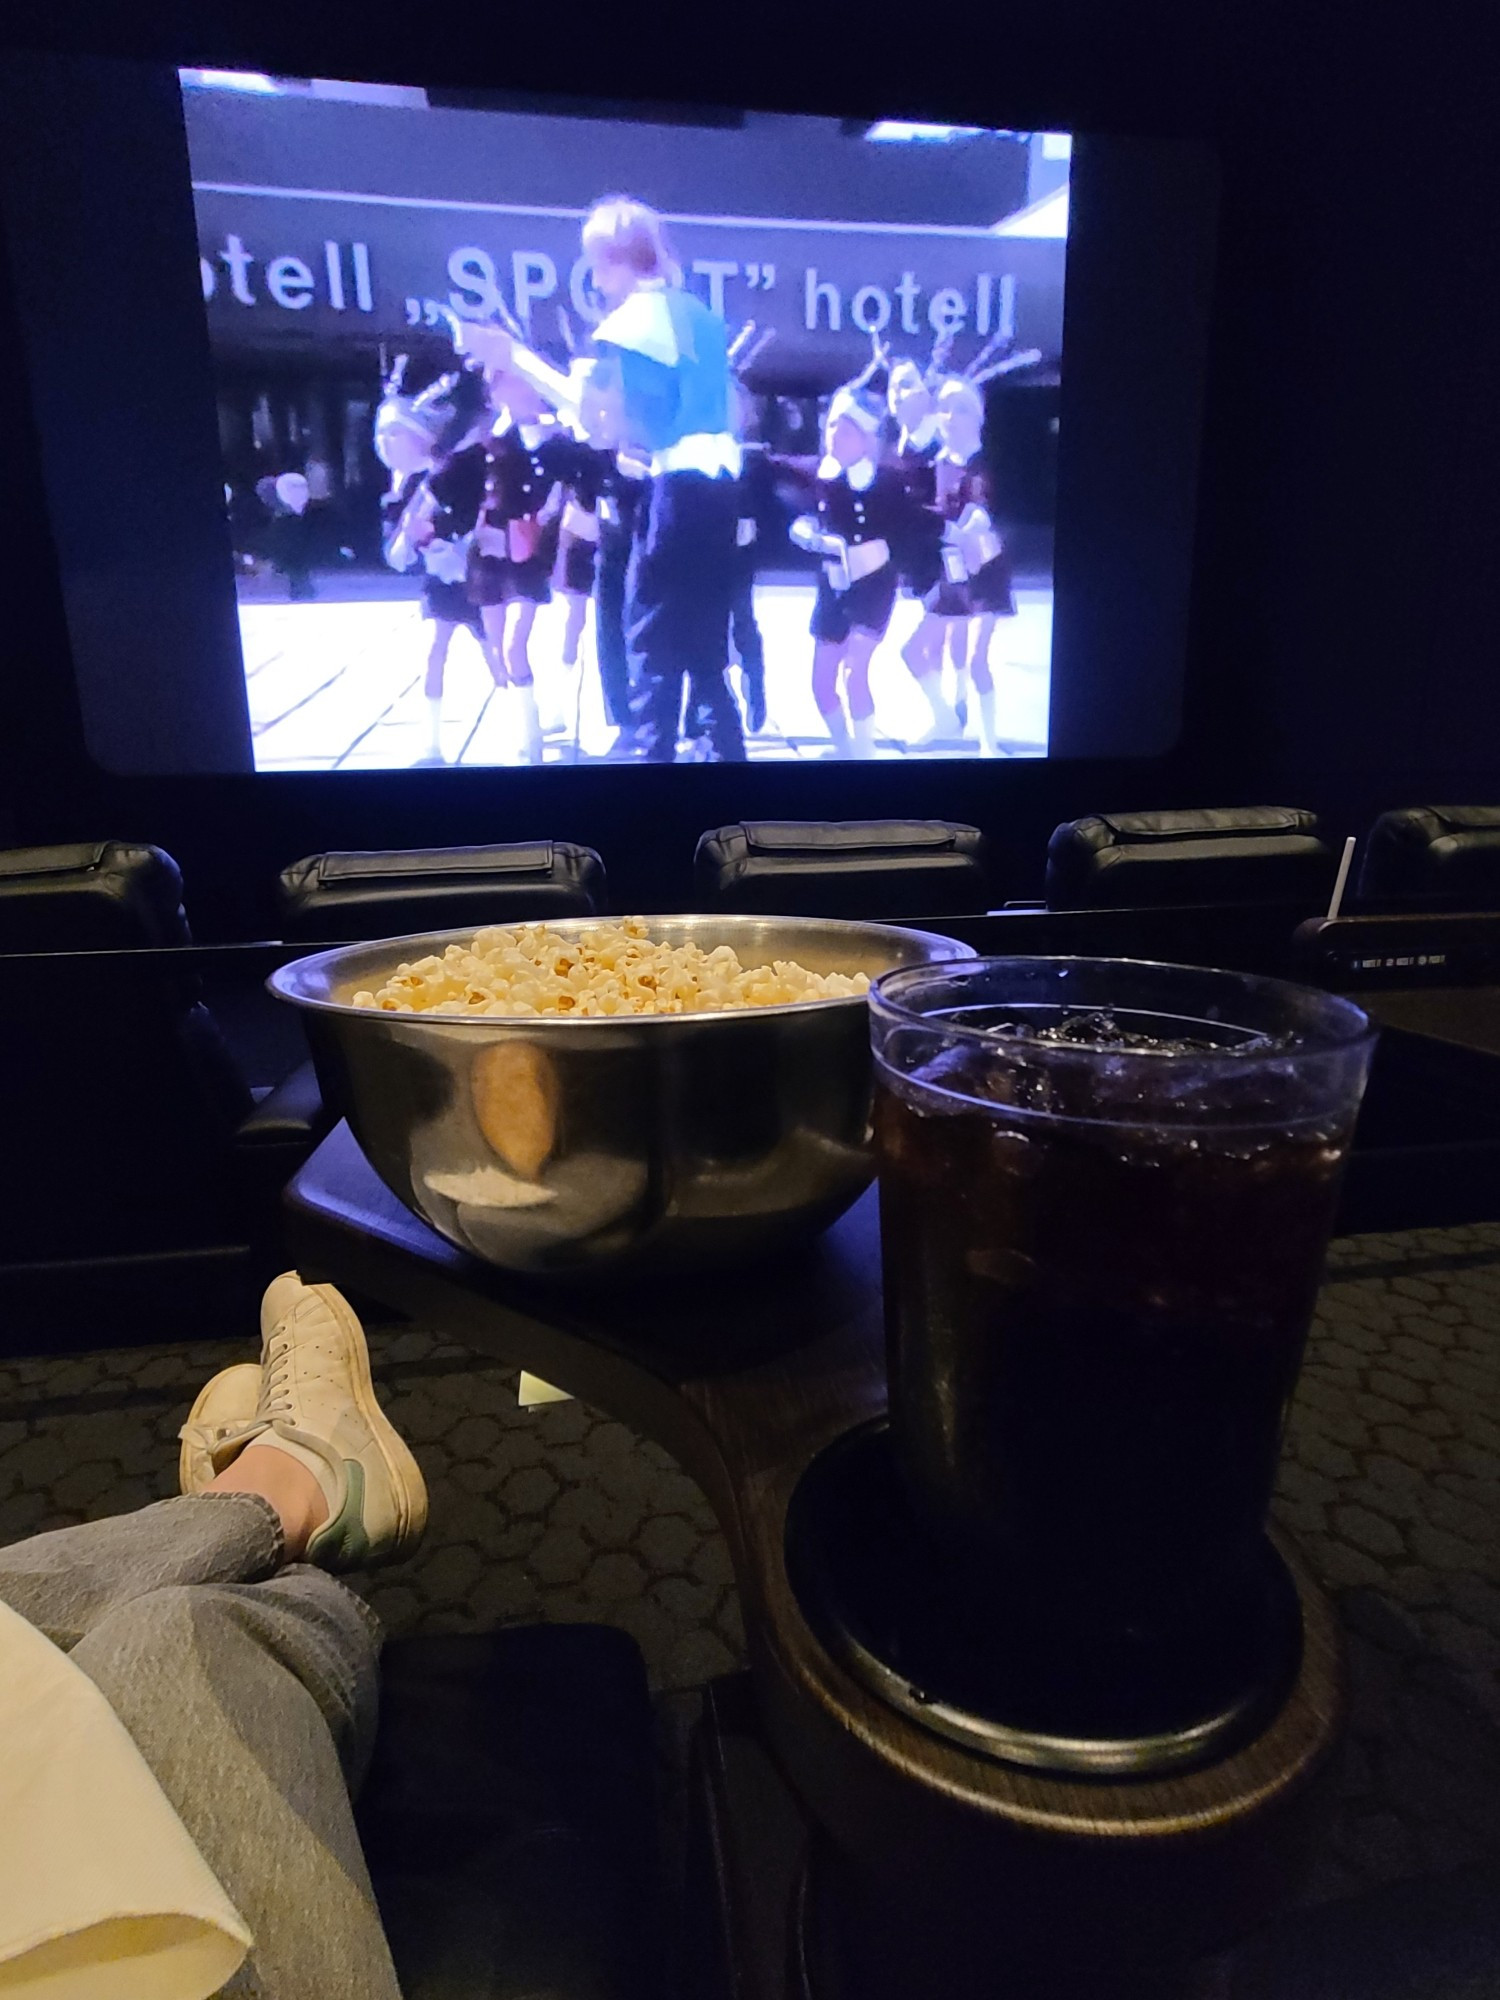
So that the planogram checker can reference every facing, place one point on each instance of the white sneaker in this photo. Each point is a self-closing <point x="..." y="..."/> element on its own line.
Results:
<point x="225" y="1404"/>
<point x="317" y="1403"/>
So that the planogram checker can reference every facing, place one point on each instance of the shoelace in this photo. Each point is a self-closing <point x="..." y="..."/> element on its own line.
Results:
<point x="275" y="1388"/>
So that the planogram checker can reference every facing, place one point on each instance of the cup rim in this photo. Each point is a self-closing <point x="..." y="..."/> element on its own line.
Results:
<point x="1346" y="1025"/>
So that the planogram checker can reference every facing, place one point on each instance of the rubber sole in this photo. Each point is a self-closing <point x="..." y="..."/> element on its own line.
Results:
<point x="407" y="1484"/>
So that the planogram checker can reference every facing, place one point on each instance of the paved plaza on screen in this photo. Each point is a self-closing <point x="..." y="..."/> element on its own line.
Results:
<point x="337" y="685"/>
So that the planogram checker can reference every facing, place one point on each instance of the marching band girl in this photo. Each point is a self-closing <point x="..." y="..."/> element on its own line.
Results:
<point x="430" y="442"/>
<point x="437" y="526"/>
<point x="528" y="456"/>
<point x="976" y="580"/>
<point x="861" y="512"/>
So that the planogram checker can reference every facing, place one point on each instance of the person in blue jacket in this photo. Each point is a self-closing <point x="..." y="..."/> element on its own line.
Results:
<point x="664" y="362"/>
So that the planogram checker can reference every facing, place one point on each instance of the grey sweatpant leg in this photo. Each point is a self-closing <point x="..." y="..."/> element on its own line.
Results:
<point x="250" y="1691"/>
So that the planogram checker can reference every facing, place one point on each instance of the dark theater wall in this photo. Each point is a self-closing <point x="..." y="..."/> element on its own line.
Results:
<point x="1350" y="596"/>
<point x="1346" y="625"/>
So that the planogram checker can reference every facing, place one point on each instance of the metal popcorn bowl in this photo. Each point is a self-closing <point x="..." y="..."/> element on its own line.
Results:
<point x="639" y="1144"/>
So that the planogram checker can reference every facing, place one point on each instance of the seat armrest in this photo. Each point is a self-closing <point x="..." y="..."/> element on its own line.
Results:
<point x="292" y="1113"/>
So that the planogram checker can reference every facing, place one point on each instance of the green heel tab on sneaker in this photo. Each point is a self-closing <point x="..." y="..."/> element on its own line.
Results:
<point x="342" y="1539"/>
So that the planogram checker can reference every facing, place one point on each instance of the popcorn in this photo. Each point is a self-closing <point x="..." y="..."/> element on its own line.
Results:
<point x="526" y="971"/>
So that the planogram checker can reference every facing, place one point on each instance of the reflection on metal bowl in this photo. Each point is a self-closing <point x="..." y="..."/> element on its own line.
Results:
<point x="641" y="1142"/>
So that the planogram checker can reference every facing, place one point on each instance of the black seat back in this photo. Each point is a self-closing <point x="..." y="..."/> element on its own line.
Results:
<point x="510" y="1818"/>
<point x="97" y="895"/>
<point x="1236" y="854"/>
<point x="332" y="898"/>
<point x="873" y="868"/>
<point x="118" y="1098"/>
<point x="1443" y="856"/>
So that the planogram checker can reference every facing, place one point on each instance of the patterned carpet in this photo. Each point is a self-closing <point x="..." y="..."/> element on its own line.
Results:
<point x="1391" y="1483"/>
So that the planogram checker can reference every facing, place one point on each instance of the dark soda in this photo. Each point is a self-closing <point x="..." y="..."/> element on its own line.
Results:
<point x="1094" y="1327"/>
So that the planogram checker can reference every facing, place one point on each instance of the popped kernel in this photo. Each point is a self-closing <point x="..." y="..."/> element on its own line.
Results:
<point x="526" y="971"/>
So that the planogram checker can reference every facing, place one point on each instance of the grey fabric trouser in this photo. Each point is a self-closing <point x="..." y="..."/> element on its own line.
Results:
<point x="250" y="1691"/>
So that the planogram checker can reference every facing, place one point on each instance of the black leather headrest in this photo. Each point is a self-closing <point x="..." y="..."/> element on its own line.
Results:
<point x="1448" y="855"/>
<point x="1200" y="823"/>
<point x="384" y="894"/>
<point x="1234" y="854"/>
<point x="419" y="866"/>
<point x="847" y="836"/>
<point x="842" y="868"/>
<point x="101" y="895"/>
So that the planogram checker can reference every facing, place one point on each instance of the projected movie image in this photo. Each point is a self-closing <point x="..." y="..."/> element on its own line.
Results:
<point x="560" y="439"/>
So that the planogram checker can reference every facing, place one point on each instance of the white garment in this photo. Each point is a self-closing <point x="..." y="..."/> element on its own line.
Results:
<point x="448" y="561"/>
<point x="641" y="325"/>
<point x="862" y="559"/>
<point x="709" y="452"/>
<point x="859" y="477"/>
<point x="103" y="1894"/>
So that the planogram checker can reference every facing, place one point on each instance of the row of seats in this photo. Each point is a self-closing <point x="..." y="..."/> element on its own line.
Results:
<point x="1418" y="856"/>
<point x="120" y="895"/>
<point x="116" y="895"/>
<point x="866" y="868"/>
<point x="244" y="1128"/>
<point x="1447" y="856"/>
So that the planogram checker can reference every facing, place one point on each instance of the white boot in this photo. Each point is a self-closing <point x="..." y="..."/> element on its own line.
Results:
<point x="531" y="724"/>
<point x="986" y="704"/>
<point x="838" y="729"/>
<point x="945" y="724"/>
<point x="435" y="726"/>
<point x="864" y="736"/>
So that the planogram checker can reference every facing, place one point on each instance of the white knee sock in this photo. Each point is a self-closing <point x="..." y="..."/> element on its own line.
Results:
<point x="531" y="724"/>
<point x="944" y="721"/>
<point x="986" y="702"/>
<point x="838" y="728"/>
<point x="864" y="736"/>
<point x="561" y="696"/>
<point x="435" y="725"/>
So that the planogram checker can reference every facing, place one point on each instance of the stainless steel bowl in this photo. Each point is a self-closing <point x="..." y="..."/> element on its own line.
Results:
<point x="648" y="1143"/>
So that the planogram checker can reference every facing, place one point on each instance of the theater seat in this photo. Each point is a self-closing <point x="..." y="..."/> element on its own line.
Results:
<point x="331" y="898"/>
<point x="1444" y="857"/>
<point x="1235" y="854"/>
<point x="510" y="1816"/>
<point x="873" y="868"/>
<point x="121" y="1103"/>
<point x="97" y="895"/>
<point x="124" y="1108"/>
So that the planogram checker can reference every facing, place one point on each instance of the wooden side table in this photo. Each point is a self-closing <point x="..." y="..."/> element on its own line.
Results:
<point x="933" y="1866"/>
